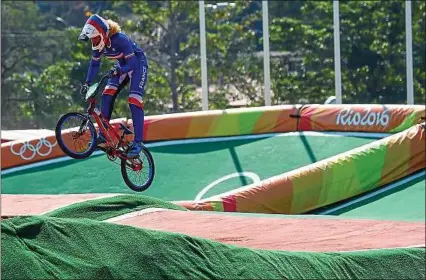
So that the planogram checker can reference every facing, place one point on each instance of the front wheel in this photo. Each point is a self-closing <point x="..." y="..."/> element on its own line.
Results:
<point x="76" y="135"/>
<point x="133" y="171"/>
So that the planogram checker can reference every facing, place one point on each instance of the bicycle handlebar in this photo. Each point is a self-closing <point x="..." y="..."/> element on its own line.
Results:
<point x="95" y="92"/>
<point x="107" y="75"/>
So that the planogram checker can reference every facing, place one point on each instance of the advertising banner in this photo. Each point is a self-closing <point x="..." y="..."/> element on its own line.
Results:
<point x="242" y="121"/>
<point x="361" y="118"/>
<point x="21" y="152"/>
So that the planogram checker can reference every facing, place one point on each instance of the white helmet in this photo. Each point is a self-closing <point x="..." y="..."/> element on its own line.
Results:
<point x="96" y="28"/>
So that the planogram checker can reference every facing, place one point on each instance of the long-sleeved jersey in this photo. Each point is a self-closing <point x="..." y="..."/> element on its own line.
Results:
<point x="122" y="49"/>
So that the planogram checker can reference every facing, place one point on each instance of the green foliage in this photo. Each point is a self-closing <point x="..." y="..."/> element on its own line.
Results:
<point x="307" y="36"/>
<point x="39" y="84"/>
<point x="372" y="52"/>
<point x="21" y="62"/>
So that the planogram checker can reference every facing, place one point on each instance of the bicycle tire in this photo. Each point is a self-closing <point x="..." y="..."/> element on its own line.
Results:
<point x="147" y="184"/>
<point x="62" y="143"/>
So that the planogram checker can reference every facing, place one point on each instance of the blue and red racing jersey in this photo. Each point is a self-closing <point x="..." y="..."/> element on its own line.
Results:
<point x="128" y="54"/>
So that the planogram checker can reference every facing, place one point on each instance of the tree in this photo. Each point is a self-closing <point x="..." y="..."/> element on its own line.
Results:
<point x="20" y="57"/>
<point x="169" y="33"/>
<point x="307" y="37"/>
<point x="39" y="84"/>
<point x="419" y="50"/>
<point x="233" y="39"/>
<point x="372" y="51"/>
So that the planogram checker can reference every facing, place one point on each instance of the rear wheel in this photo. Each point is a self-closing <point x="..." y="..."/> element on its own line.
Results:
<point x="138" y="173"/>
<point x="76" y="135"/>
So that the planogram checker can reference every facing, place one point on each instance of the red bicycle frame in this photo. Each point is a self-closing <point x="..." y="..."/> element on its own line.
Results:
<point x="108" y="130"/>
<point x="103" y="123"/>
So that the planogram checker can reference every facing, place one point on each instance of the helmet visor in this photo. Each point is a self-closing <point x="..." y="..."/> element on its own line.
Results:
<point x="96" y="41"/>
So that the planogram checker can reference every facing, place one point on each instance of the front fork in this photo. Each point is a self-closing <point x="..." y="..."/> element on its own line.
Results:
<point x="89" y="111"/>
<point x="84" y="125"/>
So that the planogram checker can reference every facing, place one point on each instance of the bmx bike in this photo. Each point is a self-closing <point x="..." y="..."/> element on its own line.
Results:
<point x="79" y="141"/>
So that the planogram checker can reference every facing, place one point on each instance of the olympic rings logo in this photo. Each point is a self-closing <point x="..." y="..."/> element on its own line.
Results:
<point x="27" y="146"/>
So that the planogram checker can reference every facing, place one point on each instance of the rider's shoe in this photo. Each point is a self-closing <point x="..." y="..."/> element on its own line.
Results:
<point x="135" y="149"/>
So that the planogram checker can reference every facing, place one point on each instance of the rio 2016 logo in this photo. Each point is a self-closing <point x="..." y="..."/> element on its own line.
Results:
<point x="349" y="117"/>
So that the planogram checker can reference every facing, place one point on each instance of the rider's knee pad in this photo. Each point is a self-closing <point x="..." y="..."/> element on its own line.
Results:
<point x="136" y="100"/>
<point x="110" y="90"/>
